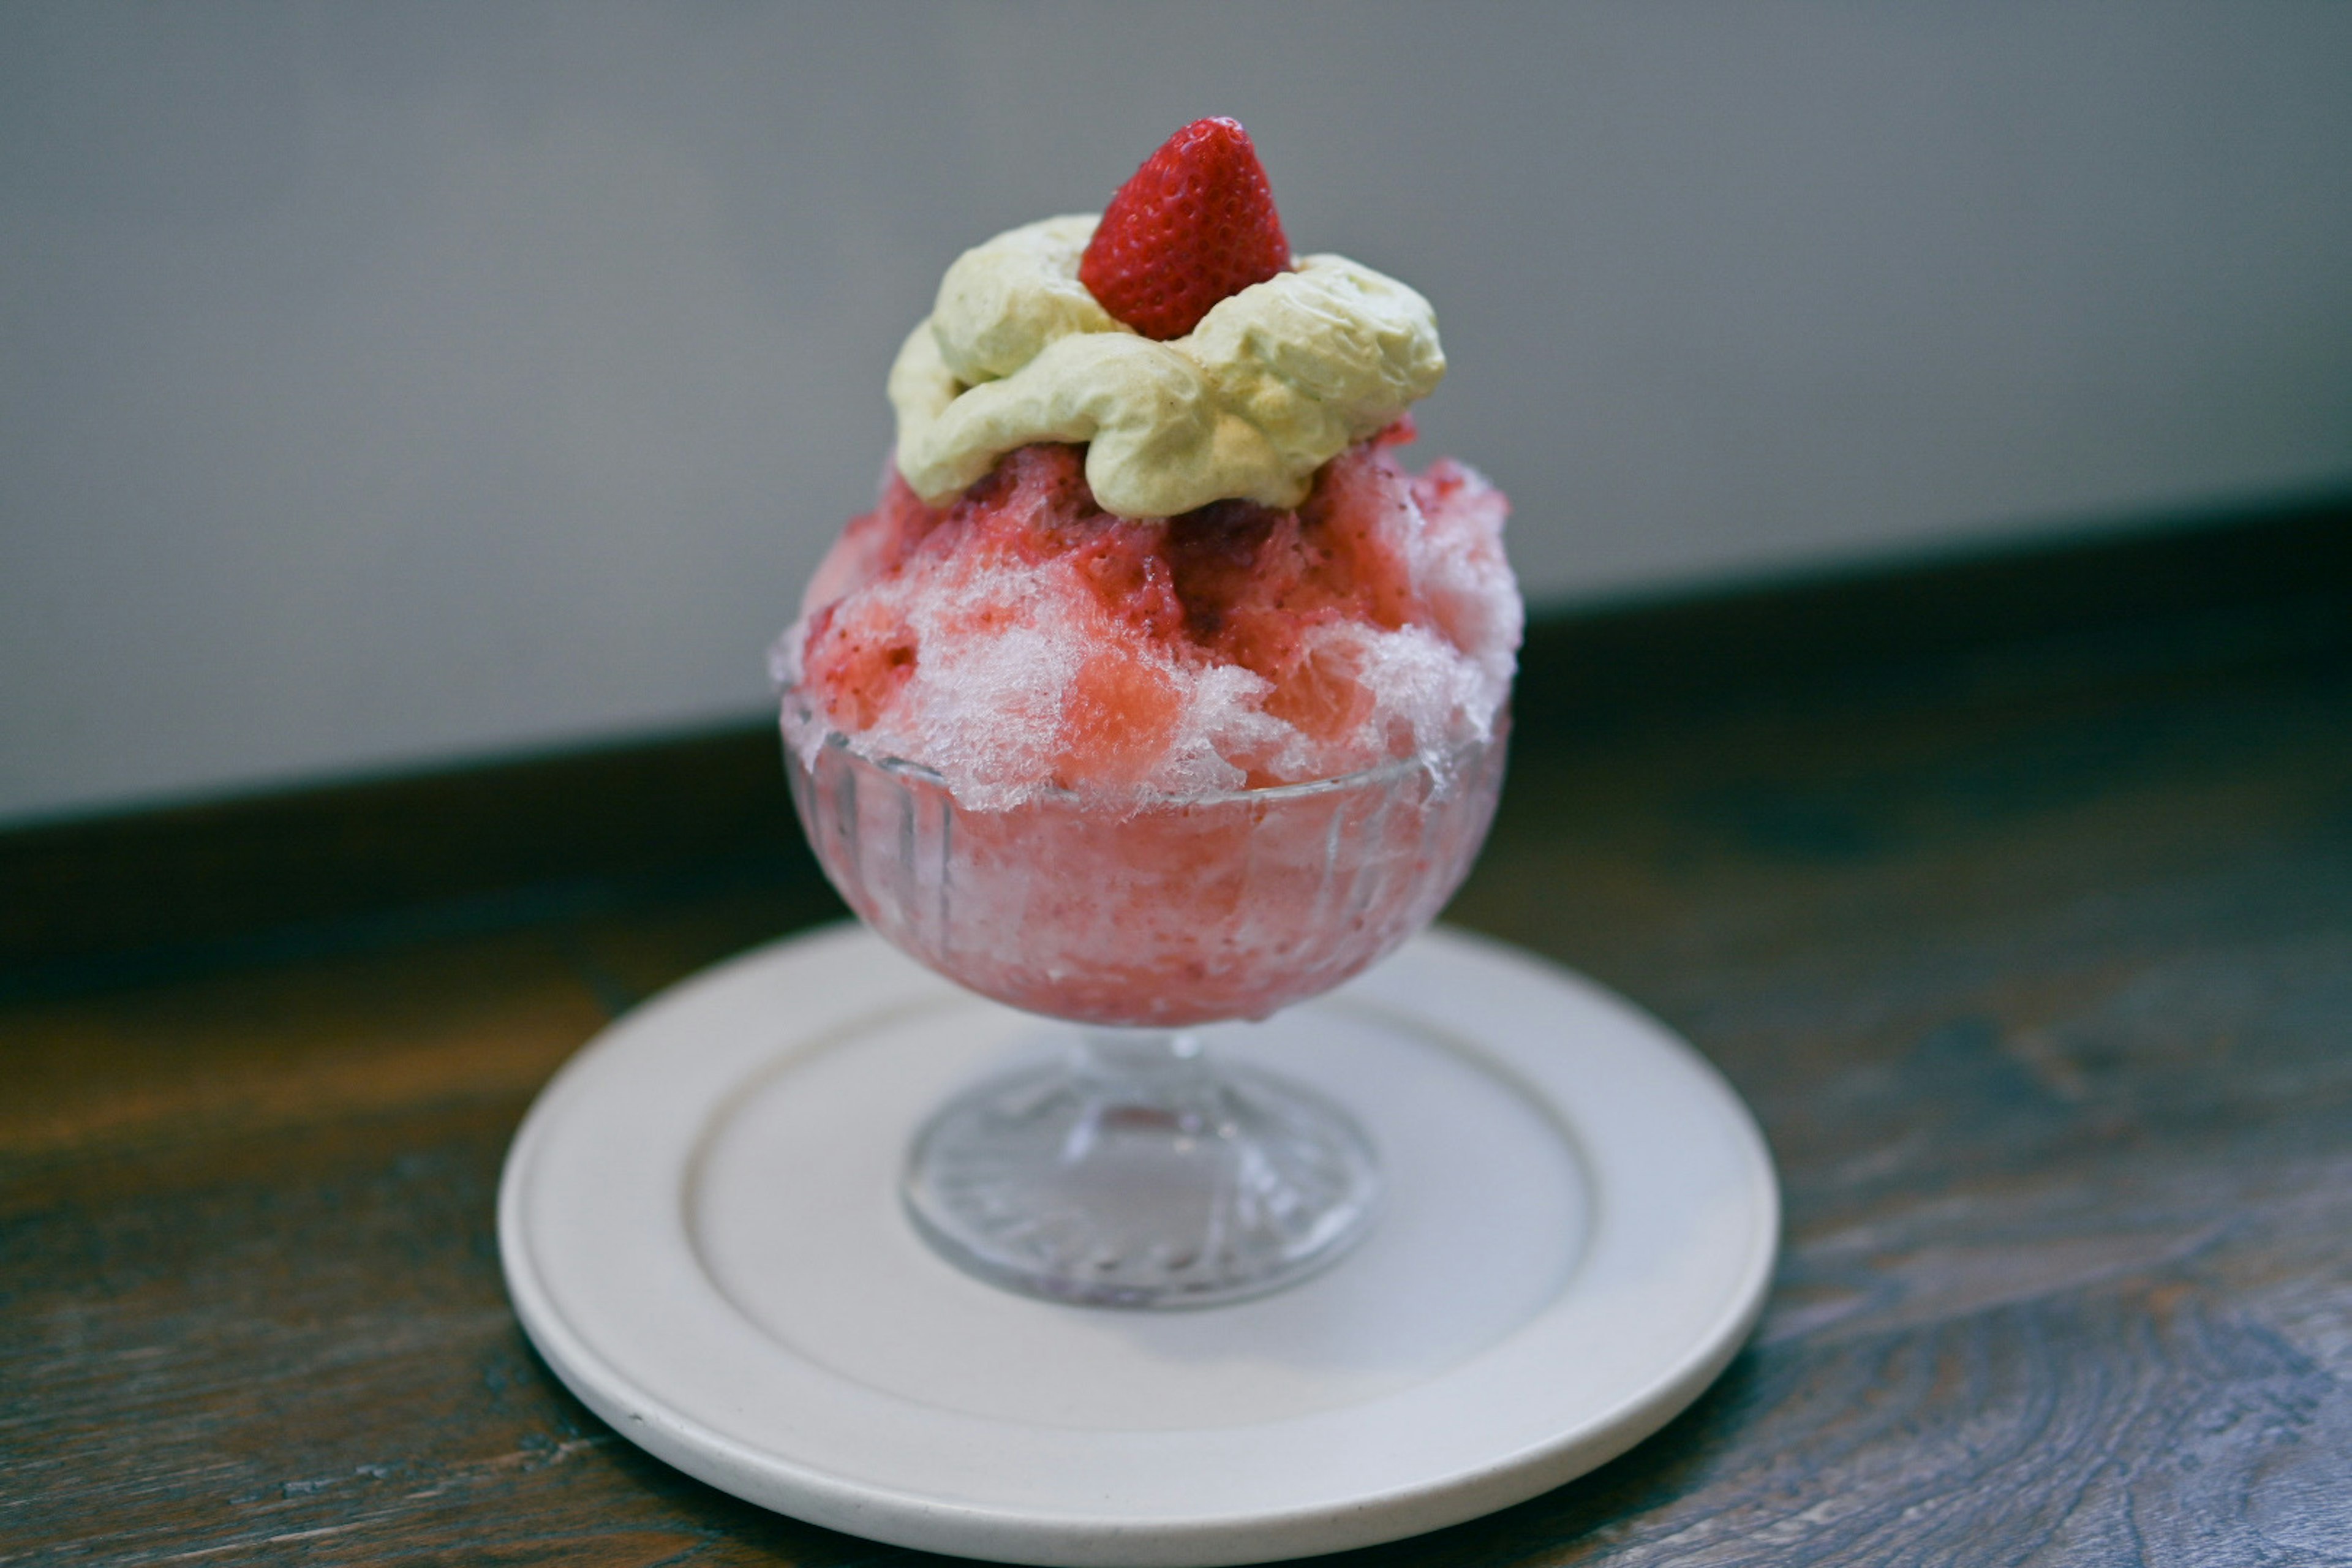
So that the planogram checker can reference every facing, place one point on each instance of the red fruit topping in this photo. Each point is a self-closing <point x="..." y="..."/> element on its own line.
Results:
<point x="1193" y="225"/>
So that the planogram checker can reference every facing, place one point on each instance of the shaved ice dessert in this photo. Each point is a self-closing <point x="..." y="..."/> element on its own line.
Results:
<point x="1157" y="689"/>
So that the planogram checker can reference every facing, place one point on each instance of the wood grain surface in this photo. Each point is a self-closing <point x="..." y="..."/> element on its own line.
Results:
<point x="2034" y="962"/>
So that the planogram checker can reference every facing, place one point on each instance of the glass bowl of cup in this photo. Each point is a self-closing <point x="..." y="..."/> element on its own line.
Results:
<point x="1139" y="1170"/>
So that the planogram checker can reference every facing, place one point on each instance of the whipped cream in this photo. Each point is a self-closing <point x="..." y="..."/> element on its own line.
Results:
<point x="1274" y="382"/>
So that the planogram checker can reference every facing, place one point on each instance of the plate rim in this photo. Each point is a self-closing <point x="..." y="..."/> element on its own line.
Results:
<point x="1019" y="1533"/>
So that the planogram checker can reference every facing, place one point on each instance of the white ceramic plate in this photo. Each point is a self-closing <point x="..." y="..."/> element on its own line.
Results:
<point x="702" y="1234"/>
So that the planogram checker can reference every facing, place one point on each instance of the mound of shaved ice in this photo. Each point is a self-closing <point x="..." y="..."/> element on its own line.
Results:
<point x="1021" y="640"/>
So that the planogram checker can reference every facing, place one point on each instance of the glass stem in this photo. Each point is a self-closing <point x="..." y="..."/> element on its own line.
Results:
<point x="1162" y="1071"/>
<point x="1142" y="1172"/>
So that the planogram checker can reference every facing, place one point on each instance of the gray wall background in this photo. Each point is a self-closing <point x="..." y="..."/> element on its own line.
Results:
<point x="387" y="385"/>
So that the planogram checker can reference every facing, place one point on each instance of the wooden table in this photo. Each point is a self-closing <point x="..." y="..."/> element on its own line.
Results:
<point x="2034" y="961"/>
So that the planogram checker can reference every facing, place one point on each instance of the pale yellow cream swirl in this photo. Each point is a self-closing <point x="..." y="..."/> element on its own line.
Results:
<point x="1275" y="381"/>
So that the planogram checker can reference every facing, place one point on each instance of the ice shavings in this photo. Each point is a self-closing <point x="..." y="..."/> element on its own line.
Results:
<point x="1022" y="640"/>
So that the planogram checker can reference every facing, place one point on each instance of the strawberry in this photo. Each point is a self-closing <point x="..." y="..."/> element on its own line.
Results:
<point x="1195" y="224"/>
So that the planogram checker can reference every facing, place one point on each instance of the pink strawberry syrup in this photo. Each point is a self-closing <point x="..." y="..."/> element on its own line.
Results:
<point x="1169" y="771"/>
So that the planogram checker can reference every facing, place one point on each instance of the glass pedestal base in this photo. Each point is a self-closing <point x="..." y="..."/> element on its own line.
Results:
<point x="1139" y="1174"/>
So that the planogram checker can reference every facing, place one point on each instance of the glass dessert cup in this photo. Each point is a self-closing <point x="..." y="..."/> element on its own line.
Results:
<point x="1139" y="1171"/>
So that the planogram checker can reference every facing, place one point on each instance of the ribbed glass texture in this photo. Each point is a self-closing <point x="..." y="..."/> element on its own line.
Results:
<point x="1140" y="1173"/>
<point x="1154" y="914"/>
